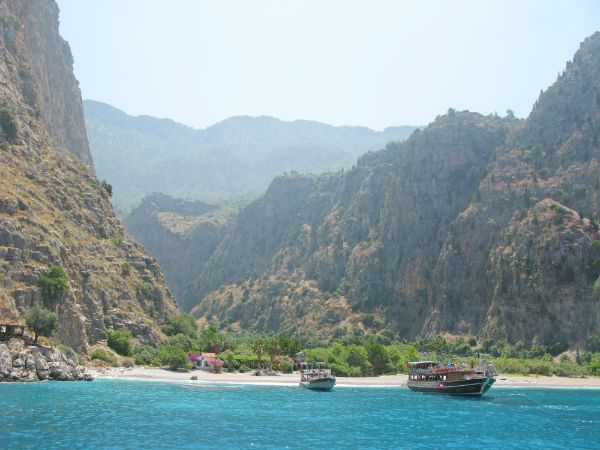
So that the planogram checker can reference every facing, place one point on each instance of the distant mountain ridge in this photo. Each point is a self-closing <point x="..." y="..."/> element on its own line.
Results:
<point x="237" y="157"/>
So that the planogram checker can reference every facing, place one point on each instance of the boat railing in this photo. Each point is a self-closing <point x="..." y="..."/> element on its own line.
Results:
<point x="438" y="370"/>
<point x="487" y="370"/>
<point x="308" y="374"/>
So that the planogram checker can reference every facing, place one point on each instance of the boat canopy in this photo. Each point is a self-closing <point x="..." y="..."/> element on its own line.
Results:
<point x="421" y="364"/>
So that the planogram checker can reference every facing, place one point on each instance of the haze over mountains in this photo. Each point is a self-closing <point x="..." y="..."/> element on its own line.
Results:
<point x="237" y="157"/>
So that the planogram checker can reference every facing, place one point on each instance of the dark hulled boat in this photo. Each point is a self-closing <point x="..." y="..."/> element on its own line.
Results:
<point x="439" y="378"/>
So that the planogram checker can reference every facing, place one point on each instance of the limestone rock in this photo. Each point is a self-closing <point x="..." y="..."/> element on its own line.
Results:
<point x="53" y="209"/>
<point x="5" y="362"/>
<point x="41" y="366"/>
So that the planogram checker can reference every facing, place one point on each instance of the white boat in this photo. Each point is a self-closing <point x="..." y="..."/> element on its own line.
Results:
<point x="317" y="378"/>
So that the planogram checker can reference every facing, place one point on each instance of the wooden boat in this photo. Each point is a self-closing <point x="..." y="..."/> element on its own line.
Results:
<point x="317" y="378"/>
<point x="440" y="378"/>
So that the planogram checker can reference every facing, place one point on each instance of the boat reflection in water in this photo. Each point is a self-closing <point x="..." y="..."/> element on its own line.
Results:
<point x="442" y="378"/>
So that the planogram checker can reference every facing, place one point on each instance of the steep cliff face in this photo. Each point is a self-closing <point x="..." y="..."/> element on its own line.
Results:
<point x="474" y="225"/>
<point x="41" y="66"/>
<point x="366" y="237"/>
<point x="53" y="210"/>
<point x="520" y="262"/>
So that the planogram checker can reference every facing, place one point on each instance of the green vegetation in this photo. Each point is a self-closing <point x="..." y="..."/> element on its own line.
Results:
<point x="107" y="187"/>
<point x="64" y="348"/>
<point x="287" y="367"/>
<point x="174" y="358"/>
<point x="128" y="362"/>
<point x="126" y="269"/>
<point x="42" y="322"/>
<point x="102" y="355"/>
<point x="54" y="283"/>
<point x="372" y="358"/>
<point x="144" y="289"/>
<point x="9" y="124"/>
<point x="120" y="342"/>
<point x="147" y="356"/>
<point x="593" y="365"/>
<point x="358" y="354"/>
<point x="181" y="324"/>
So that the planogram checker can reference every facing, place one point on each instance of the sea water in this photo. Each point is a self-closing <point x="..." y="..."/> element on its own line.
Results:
<point x="145" y="414"/>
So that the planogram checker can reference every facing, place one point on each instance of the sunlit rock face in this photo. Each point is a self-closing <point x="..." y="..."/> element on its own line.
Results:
<point x="53" y="209"/>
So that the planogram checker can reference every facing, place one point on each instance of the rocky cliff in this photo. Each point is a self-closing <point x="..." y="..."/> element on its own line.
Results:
<point x="474" y="225"/>
<point x="181" y="234"/>
<point x="53" y="209"/>
<point x="40" y="65"/>
<point x="20" y="362"/>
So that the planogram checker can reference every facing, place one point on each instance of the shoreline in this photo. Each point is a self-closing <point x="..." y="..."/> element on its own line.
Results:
<point x="383" y="381"/>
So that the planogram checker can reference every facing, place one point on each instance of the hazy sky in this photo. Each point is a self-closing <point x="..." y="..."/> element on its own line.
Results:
<point x="373" y="63"/>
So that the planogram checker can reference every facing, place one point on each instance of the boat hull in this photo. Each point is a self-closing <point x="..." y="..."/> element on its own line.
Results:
<point x="471" y="387"/>
<point x="320" y="384"/>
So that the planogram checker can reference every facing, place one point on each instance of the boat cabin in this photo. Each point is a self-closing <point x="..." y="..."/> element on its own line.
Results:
<point x="11" y="330"/>
<point x="313" y="370"/>
<point x="436" y="371"/>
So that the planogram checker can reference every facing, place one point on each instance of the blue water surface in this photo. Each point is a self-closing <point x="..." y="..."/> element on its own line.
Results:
<point x="142" y="414"/>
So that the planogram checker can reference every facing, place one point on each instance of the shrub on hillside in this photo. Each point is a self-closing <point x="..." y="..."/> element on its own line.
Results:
<point x="180" y="324"/>
<point x="174" y="358"/>
<point x="358" y="357"/>
<point x="378" y="357"/>
<point x="107" y="187"/>
<point x="54" y="283"/>
<point x="128" y="362"/>
<point x="126" y="269"/>
<point x="147" y="356"/>
<point x="286" y="367"/>
<point x="102" y="355"/>
<point x="569" y="368"/>
<point x="42" y="322"/>
<point x="182" y="342"/>
<point x="120" y="342"/>
<point x="593" y="344"/>
<point x="9" y="124"/>
<point x="593" y="366"/>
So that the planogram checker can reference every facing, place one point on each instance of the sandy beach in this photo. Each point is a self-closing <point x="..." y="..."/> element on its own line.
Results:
<point x="142" y="373"/>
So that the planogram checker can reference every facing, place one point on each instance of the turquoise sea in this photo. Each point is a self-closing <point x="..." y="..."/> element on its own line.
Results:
<point x="144" y="414"/>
